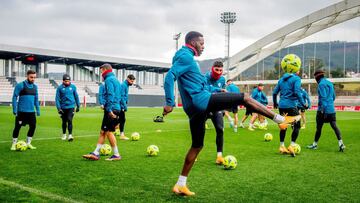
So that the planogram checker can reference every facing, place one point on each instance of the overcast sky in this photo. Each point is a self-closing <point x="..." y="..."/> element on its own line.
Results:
<point x="143" y="29"/>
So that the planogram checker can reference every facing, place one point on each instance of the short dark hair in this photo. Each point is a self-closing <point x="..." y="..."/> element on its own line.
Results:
<point x="106" y="66"/>
<point x="190" y="36"/>
<point x="261" y="85"/>
<point x="131" y="77"/>
<point x="218" y="64"/>
<point x="29" y="72"/>
<point x="229" y="80"/>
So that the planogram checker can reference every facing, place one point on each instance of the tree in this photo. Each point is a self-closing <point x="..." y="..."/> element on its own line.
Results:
<point x="337" y="73"/>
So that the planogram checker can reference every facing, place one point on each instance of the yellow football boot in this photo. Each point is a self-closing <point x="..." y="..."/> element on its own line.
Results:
<point x="182" y="190"/>
<point x="283" y="150"/>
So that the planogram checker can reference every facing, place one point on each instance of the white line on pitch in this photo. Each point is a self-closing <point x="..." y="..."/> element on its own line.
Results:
<point x="36" y="191"/>
<point x="146" y="132"/>
<point x="92" y="135"/>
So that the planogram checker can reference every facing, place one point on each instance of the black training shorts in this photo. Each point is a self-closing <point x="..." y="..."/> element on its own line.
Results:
<point x="67" y="114"/>
<point x="217" y="102"/>
<point x="24" y="118"/>
<point x="324" y="117"/>
<point x="289" y="111"/>
<point x="109" y="123"/>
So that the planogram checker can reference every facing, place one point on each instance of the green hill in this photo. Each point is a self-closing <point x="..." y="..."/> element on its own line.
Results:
<point x="309" y="50"/>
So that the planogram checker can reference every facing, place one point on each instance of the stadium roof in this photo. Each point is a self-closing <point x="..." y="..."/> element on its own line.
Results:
<point x="39" y="55"/>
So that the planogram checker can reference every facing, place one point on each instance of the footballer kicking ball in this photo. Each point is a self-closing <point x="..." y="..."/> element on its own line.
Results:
<point x="230" y="162"/>
<point x="135" y="136"/>
<point x="152" y="150"/>
<point x="291" y="63"/>
<point x="21" y="146"/>
<point x="297" y="148"/>
<point x="105" y="150"/>
<point x="268" y="137"/>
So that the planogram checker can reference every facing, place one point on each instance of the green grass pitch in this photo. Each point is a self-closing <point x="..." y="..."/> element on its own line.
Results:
<point x="56" y="172"/>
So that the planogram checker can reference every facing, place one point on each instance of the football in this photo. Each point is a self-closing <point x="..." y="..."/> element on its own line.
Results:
<point x="152" y="150"/>
<point x="135" y="136"/>
<point x="268" y="137"/>
<point x="291" y="63"/>
<point x="21" y="146"/>
<point x="297" y="148"/>
<point x="230" y="162"/>
<point x="105" y="150"/>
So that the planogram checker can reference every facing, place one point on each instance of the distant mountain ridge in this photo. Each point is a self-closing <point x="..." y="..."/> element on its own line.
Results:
<point x="322" y="53"/>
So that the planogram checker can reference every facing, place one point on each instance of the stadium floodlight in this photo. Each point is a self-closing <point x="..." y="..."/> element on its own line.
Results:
<point x="176" y="37"/>
<point x="227" y="18"/>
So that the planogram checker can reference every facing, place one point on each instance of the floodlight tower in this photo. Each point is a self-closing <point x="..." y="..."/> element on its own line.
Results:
<point x="176" y="37"/>
<point x="227" y="18"/>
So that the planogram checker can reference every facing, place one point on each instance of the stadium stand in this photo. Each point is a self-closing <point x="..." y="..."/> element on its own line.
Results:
<point x="82" y="87"/>
<point x="6" y="90"/>
<point x="147" y="90"/>
<point x="87" y="89"/>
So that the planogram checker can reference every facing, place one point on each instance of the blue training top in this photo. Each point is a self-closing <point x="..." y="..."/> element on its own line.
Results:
<point x="306" y="98"/>
<point x="124" y="95"/>
<point x="327" y="96"/>
<point x="66" y="97"/>
<point x="259" y="96"/>
<point x="289" y="87"/>
<point x="112" y="93"/>
<point x="25" y="98"/>
<point x="233" y="88"/>
<point x="192" y="84"/>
